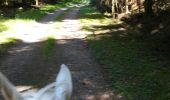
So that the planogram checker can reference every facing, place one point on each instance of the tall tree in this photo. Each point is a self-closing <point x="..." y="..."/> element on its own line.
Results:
<point x="127" y="6"/>
<point x="148" y="4"/>
<point x="36" y="2"/>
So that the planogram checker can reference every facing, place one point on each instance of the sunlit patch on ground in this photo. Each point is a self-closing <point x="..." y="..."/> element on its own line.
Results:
<point x="104" y="96"/>
<point x="24" y="27"/>
<point x="70" y="37"/>
<point x="71" y="28"/>
<point x="30" y="31"/>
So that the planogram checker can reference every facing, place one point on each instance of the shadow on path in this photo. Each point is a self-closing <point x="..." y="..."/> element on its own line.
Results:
<point x="25" y="64"/>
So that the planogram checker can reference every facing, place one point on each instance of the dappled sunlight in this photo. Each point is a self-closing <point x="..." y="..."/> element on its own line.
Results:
<point x="87" y="81"/>
<point x="101" y="29"/>
<point x="104" y="96"/>
<point x="62" y="41"/>
<point x="66" y="45"/>
<point x="78" y="3"/>
<point x="95" y="23"/>
<point x="100" y="95"/>
<point x="23" y="49"/>
<point x="74" y="5"/>
<point x="70" y="28"/>
<point x="91" y="90"/>
<point x="29" y="31"/>
<point x="50" y="13"/>
<point x="6" y="39"/>
<point x="136" y="53"/>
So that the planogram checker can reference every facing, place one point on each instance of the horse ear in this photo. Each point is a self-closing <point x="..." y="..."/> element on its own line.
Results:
<point x="8" y="90"/>
<point x="64" y="86"/>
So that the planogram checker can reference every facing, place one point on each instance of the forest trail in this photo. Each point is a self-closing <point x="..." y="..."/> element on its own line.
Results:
<point x="26" y="67"/>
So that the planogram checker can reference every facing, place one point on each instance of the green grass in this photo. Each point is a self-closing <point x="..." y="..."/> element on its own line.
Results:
<point x="60" y="17"/>
<point x="3" y="27"/>
<point x="37" y="14"/>
<point x="5" y="40"/>
<point x="5" y="44"/>
<point x="49" y="47"/>
<point x="27" y="16"/>
<point x="89" y="17"/>
<point x="139" y="67"/>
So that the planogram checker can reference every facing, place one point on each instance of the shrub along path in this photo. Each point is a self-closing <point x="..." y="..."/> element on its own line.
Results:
<point x="27" y="68"/>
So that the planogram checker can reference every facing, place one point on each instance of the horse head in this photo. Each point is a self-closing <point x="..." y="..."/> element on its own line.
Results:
<point x="61" y="89"/>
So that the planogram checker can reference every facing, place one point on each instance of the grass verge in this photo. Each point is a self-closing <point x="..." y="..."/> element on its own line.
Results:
<point x="5" y="44"/>
<point x="139" y="67"/>
<point x="3" y="28"/>
<point x="61" y="16"/>
<point x="37" y="14"/>
<point x="49" y="47"/>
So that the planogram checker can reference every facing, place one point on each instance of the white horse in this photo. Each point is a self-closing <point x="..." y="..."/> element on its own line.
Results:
<point x="59" y="90"/>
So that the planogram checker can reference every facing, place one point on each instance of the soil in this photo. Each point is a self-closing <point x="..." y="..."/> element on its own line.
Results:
<point x="25" y="64"/>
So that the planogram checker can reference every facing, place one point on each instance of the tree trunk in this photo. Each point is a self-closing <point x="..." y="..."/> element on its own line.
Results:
<point x="113" y="9"/>
<point x="36" y="2"/>
<point x="127" y="7"/>
<point x="148" y="7"/>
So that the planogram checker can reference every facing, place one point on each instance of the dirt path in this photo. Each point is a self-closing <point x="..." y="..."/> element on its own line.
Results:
<point x="26" y="66"/>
